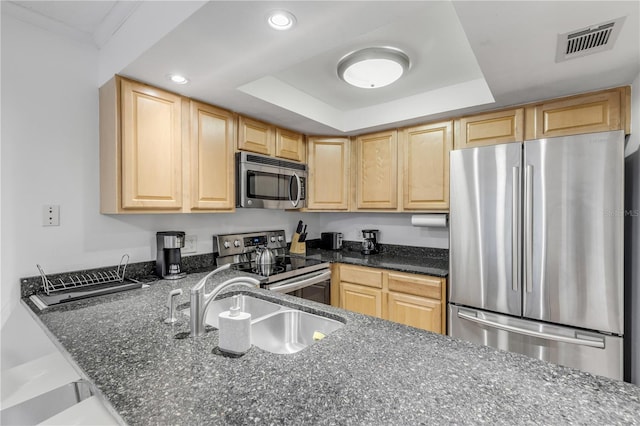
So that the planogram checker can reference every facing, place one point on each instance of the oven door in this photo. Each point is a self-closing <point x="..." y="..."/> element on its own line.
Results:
<point x="314" y="286"/>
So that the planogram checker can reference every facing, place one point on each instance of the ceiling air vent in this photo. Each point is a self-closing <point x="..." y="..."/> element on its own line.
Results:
<point x="586" y="41"/>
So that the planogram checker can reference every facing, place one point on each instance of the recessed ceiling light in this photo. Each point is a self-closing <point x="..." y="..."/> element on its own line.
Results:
<point x="281" y="20"/>
<point x="373" y="67"/>
<point x="178" y="79"/>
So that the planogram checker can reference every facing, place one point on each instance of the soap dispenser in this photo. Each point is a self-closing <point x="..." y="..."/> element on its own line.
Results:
<point x="234" y="327"/>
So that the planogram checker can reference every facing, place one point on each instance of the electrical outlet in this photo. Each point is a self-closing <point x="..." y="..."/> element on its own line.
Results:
<point x="50" y="215"/>
<point x="190" y="244"/>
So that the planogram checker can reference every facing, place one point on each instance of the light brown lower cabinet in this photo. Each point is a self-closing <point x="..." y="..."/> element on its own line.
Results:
<point x="416" y="311"/>
<point x="361" y="299"/>
<point x="411" y="299"/>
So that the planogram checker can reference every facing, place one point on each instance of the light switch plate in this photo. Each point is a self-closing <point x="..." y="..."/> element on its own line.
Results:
<point x="190" y="244"/>
<point x="50" y="215"/>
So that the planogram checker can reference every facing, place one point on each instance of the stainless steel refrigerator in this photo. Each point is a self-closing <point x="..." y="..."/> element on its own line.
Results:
<point x="536" y="249"/>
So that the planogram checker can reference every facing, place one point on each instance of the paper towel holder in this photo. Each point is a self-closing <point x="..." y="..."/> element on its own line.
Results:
<point x="432" y="220"/>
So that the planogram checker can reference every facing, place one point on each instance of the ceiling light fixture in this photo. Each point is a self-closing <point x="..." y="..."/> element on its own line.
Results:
<point x="373" y="67"/>
<point x="178" y="79"/>
<point x="281" y="20"/>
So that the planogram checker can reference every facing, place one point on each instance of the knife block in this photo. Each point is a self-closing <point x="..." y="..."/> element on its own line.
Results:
<point x="298" y="247"/>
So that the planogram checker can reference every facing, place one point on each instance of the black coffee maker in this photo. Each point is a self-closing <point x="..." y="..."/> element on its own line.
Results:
<point x="370" y="241"/>
<point x="168" y="260"/>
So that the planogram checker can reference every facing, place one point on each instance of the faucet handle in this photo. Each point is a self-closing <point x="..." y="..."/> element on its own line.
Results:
<point x="171" y="305"/>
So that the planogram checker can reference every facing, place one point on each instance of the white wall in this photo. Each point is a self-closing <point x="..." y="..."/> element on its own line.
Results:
<point x="395" y="228"/>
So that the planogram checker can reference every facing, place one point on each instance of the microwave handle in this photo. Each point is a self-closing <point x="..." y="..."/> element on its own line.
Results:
<point x="299" y="195"/>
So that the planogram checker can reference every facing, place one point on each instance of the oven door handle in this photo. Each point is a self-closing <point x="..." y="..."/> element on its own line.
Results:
<point x="297" y="285"/>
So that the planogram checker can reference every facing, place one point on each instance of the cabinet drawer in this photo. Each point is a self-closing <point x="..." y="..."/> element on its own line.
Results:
<point x="417" y="285"/>
<point x="364" y="276"/>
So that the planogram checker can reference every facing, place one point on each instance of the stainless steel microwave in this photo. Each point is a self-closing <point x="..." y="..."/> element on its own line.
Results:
<point x="269" y="183"/>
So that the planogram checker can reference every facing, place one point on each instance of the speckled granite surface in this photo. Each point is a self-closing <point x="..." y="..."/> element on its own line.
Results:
<point x="433" y="262"/>
<point x="369" y="372"/>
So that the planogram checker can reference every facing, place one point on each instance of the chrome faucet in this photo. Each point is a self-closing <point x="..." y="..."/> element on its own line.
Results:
<point x="200" y="300"/>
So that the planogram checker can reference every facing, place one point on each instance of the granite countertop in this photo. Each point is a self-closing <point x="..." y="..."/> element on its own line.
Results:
<point x="420" y="261"/>
<point x="369" y="372"/>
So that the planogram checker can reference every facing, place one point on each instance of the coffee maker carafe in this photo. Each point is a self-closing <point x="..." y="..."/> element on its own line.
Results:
<point x="168" y="260"/>
<point x="370" y="241"/>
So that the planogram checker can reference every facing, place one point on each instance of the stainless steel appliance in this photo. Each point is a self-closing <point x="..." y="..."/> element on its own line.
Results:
<point x="331" y="240"/>
<point x="305" y="277"/>
<point x="168" y="259"/>
<point x="536" y="249"/>
<point x="370" y="241"/>
<point x="269" y="183"/>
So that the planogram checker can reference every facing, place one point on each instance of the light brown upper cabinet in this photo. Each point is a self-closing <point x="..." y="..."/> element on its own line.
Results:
<point x="290" y="145"/>
<point x="211" y="158"/>
<point x="593" y="112"/>
<point x="140" y="148"/>
<point x="266" y="139"/>
<point x="424" y="163"/>
<point x="377" y="171"/>
<point x="328" y="184"/>
<point x="255" y="136"/>
<point x="162" y="153"/>
<point x="490" y="128"/>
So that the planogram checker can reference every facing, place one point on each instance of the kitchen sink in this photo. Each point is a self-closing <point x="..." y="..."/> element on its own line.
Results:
<point x="276" y="328"/>
<point x="256" y="307"/>
<point x="289" y="331"/>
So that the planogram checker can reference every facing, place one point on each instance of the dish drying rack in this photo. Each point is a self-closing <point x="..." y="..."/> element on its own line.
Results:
<point x="85" y="280"/>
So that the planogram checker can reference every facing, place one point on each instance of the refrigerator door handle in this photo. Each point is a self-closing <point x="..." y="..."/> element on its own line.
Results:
<point x="515" y="229"/>
<point x="528" y="228"/>
<point x="587" y="341"/>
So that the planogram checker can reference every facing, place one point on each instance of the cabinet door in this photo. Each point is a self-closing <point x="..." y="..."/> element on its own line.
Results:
<point x="255" y="136"/>
<point x="415" y="311"/>
<point x="151" y="148"/>
<point x="377" y="171"/>
<point x="290" y="145"/>
<point x="361" y="299"/>
<point x="211" y="158"/>
<point x="490" y="129"/>
<point x="328" y="161"/>
<point x="597" y="112"/>
<point x="425" y="166"/>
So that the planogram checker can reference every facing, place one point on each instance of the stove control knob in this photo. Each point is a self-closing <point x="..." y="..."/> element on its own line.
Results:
<point x="236" y="243"/>
<point x="273" y="239"/>
<point x="226" y="244"/>
<point x="280" y="238"/>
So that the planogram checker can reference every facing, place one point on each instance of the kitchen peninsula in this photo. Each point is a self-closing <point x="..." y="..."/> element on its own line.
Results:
<point x="369" y="372"/>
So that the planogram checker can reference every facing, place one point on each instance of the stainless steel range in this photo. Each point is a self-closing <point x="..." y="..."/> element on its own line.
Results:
<point x="300" y="276"/>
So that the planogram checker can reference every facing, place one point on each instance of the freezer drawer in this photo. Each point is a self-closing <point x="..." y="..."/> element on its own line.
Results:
<point x="588" y="351"/>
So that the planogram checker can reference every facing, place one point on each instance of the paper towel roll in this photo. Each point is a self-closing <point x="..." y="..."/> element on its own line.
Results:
<point x="432" y="220"/>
